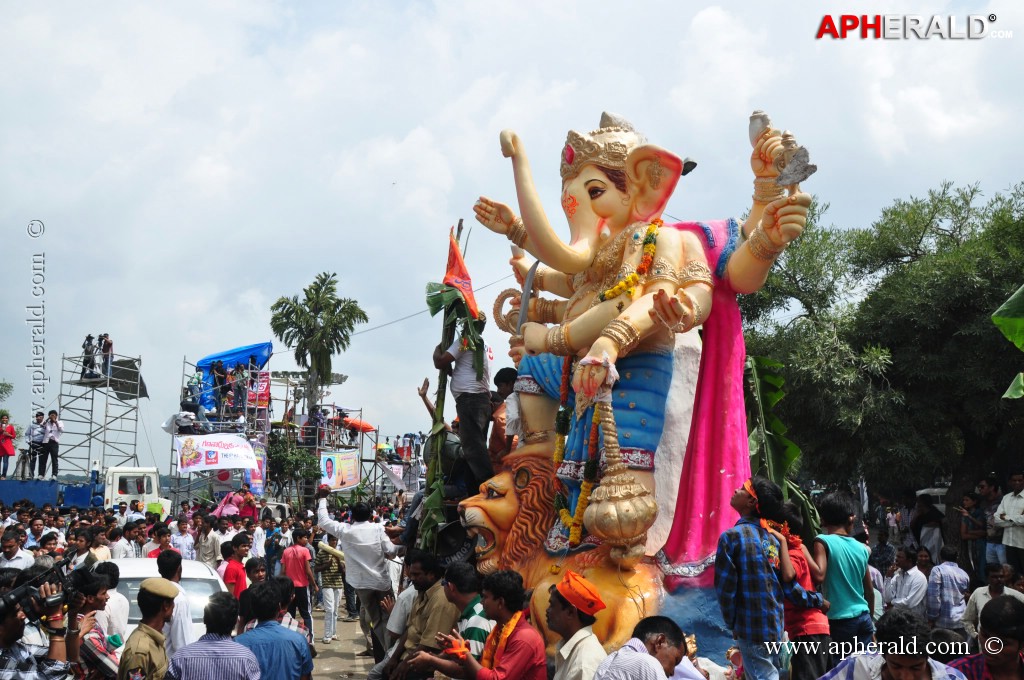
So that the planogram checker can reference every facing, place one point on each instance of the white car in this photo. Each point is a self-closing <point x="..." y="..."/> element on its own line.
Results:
<point x="198" y="581"/>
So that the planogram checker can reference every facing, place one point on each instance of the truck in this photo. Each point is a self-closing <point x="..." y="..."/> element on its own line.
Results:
<point x="117" y="484"/>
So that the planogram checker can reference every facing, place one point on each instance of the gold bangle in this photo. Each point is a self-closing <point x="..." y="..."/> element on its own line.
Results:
<point x="538" y="279"/>
<point x="517" y="232"/>
<point x="556" y="342"/>
<point x="698" y="313"/>
<point x="566" y="338"/>
<point x="623" y="334"/>
<point x="766" y="190"/>
<point x="761" y="247"/>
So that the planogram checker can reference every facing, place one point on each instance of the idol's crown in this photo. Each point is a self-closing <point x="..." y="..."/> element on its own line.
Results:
<point x="606" y="146"/>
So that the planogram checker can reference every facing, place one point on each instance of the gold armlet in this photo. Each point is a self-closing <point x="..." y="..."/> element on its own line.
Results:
<point x="766" y="190"/>
<point x="695" y="272"/>
<point x="517" y="232"/>
<point x="623" y="334"/>
<point x="761" y="247"/>
<point x="662" y="270"/>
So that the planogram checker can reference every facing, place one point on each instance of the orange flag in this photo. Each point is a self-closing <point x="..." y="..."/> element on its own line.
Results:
<point x="457" y="275"/>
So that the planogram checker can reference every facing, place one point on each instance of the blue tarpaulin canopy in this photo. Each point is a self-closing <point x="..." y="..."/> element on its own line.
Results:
<point x="238" y="355"/>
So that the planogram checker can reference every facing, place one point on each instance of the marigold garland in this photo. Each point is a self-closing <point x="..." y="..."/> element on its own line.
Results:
<point x="496" y="641"/>
<point x="628" y="283"/>
<point x="590" y="469"/>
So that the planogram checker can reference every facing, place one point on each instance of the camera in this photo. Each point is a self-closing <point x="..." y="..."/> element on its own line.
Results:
<point x="27" y="595"/>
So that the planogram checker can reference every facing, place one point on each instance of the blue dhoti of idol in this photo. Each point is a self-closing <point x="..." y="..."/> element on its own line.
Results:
<point x="638" y="399"/>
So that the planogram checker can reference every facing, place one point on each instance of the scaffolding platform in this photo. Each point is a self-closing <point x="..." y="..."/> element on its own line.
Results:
<point x="100" y="412"/>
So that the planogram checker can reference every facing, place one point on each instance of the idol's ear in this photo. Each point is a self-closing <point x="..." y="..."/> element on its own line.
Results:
<point x="652" y="173"/>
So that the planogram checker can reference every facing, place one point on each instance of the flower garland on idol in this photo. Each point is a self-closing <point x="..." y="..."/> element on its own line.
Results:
<point x="574" y="521"/>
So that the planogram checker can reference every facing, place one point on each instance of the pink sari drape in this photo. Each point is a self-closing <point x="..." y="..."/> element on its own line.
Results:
<point x="717" y="453"/>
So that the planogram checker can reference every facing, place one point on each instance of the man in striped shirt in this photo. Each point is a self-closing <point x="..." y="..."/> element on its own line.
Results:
<point x="215" y="655"/>
<point x="462" y="588"/>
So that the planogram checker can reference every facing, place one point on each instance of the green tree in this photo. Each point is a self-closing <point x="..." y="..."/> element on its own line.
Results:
<point x="316" y="327"/>
<point x="894" y="369"/>
<point x="291" y="467"/>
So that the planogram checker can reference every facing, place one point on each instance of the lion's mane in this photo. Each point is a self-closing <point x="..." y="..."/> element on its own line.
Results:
<point x="536" y="510"/>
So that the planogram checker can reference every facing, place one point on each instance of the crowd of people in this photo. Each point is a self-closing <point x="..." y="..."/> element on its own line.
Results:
<point x="840" y="596"/>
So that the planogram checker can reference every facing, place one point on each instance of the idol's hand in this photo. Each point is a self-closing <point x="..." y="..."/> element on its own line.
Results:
<point x="494" y="215"/>
<point x="767" y="148"/>
<point x="784" y="219"/>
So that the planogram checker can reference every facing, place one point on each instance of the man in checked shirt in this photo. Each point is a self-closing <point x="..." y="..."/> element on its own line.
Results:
<point x="749" y="591"/>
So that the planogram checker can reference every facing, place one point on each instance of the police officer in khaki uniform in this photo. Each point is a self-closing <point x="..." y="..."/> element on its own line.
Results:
<point x="144" y="656"/>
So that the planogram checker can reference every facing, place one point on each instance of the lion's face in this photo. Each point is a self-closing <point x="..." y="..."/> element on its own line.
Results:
<point x="511" y="514"/>
<point x="488" y="518"/>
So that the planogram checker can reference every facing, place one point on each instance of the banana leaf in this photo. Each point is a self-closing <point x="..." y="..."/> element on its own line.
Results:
<point x="1009" y="318"/>
<point x="1016" y="389"/>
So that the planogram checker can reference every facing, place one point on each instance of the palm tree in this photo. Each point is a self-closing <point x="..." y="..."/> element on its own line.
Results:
<point x="316" y="327"/>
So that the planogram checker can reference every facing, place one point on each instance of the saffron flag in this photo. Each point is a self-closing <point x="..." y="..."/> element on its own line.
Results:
<point x="457" y="276"/>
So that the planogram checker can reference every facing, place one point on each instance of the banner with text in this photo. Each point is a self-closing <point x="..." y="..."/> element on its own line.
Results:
<point x="214" y="452"/>
<point x="259" y="389"/>
<point x="257" y="476"/>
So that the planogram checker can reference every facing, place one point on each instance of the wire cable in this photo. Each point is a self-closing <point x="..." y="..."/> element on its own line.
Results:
<point x="424" y="311"/>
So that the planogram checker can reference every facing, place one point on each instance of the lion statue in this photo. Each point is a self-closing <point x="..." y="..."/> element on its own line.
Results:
<point x="509" y="520"/>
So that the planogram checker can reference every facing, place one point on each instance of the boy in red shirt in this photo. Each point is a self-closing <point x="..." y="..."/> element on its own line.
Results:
<point x="234" y="573"/>
<point x="804" y="608"/>
<point x="295" y="565"/>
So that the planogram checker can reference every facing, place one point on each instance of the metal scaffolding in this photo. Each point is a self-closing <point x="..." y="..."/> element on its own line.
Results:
<point x="99" y="406"/>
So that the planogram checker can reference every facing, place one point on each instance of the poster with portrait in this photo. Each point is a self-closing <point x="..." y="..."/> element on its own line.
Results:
<point x="256" y="476"/>
<point x="339" y="470"/>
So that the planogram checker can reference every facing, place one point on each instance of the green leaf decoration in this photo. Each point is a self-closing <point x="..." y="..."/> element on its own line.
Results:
<point x="1016" y="389"/>
<point x="1009" y="318"/>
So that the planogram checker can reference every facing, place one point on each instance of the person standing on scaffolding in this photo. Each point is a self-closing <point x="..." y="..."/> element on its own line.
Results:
<point x="107" y="349"/>
<point x="89" y="358"/>
<point x="241" y="387"/>
<point x="53" y="428"/>
<point x="220" y="384"/>
<point x="195" y="385"/>
<point x="34" y="438"/>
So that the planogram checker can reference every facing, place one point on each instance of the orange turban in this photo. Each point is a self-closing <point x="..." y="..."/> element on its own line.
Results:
<point x="580" y="593"/>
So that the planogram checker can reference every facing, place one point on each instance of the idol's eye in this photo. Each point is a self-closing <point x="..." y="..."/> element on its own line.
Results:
<point x="595" y="192"/>
<point x="493" y="493"/>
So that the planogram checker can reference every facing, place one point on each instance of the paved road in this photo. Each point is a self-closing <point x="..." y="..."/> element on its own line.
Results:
<point x="338" y="659"/>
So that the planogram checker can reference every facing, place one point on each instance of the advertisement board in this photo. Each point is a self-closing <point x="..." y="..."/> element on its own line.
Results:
<point x="198" y="452"/>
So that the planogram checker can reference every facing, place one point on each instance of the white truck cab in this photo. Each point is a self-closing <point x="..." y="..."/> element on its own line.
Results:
<point x="133" y="483"/>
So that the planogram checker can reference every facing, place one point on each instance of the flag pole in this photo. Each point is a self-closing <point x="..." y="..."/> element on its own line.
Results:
<point x="434" y="496"/>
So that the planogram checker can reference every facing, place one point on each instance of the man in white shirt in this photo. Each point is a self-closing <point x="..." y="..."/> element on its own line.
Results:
<point x="114" y="617"/>
<point x="178" y="631"/>
<point x="122" y="514"/>
<point x="53" y="428"/>
<point x="1010" y="516"/>
<point x="366" y="548"/>
<point x="995" y="575"/>
<point x="571" y="608"/>
<point x="259" y="539"/>
<point x="654" y="651"/>
<point x="906" y="585"/>
<point x="12" y="554"/>
<point x="472" y="394"/>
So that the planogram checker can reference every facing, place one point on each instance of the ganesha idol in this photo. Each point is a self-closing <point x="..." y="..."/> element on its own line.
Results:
<point x="600" y="365"/>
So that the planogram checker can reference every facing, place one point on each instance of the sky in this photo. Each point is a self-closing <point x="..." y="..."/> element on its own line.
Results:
<point x="191" y="162"/>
